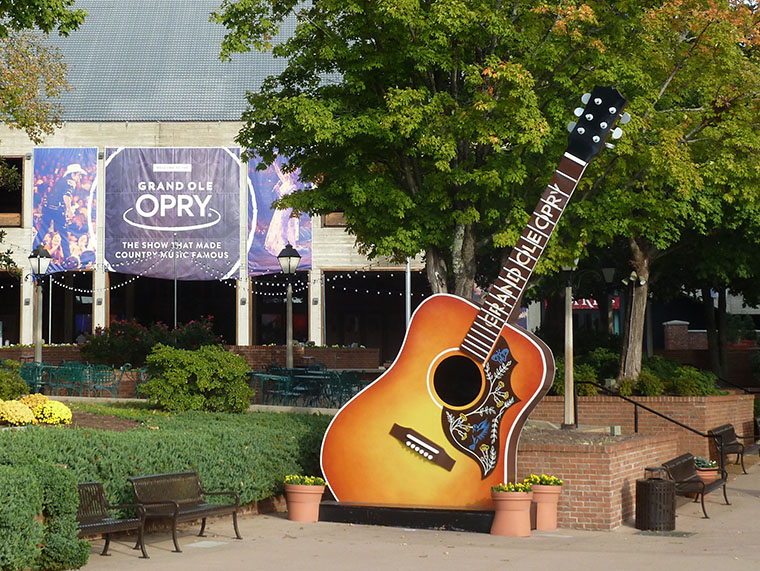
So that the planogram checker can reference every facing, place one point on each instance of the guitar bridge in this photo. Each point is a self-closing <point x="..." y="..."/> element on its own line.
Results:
<point x="423" y="446"/>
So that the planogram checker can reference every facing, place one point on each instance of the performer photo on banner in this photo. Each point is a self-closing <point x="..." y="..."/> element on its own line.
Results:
<point x="64" y="194"/>
<point x="273" y="229"/>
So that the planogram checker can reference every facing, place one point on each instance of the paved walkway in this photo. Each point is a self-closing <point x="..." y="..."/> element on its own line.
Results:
<point x="725" y="541"/>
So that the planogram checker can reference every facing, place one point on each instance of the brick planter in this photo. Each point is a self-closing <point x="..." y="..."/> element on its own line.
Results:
<point x="700" y="413"/>
<point x="599" y="491"/>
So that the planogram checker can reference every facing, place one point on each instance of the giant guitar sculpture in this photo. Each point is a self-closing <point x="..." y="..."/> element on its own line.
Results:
<point x="441" y="425"/>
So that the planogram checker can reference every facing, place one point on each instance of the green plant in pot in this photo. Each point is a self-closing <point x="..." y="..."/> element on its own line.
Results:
<point x="703" y="463"/>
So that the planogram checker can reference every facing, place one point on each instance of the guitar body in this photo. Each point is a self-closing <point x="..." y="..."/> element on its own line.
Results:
<point x="363" y="463"/>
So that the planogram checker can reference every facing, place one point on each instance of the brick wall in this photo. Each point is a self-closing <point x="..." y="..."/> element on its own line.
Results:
<point x="700" y="413"/>
<point x="599" y="491"/>
<point x="259" y="357"/>
<point x="52" y="354"/>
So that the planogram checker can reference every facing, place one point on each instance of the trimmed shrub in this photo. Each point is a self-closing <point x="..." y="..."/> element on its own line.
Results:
<point x="580" y="373"/>
<point x="625" y="387"/>
<point x="11" y="383"/>
<point x="31" y="488"/>
<point x="604" y="362"/>
<point x="662" y="368"/>
<point x="250" y="453"/>
<point x="20" y="533"/>
<point x="690" y="381"/>
<point x="210" y="378"/>
<point x="649" y="385"/>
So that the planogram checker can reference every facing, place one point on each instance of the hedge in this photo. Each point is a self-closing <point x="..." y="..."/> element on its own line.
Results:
<point x="30" y="488"/>
<point x="250" y="453"/>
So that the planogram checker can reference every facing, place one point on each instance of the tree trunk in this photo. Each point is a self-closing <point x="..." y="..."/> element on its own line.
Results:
<point x="711" y="324"/>
<point x="633" y="332"/>
<point x="435" y="269"/>
<point x="463" y="260"/>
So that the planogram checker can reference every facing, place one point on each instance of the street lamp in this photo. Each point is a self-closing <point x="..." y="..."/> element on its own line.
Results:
<point x="289" y="259"/>
<point x="39" y="260"/>
<point x="570" y="416"/>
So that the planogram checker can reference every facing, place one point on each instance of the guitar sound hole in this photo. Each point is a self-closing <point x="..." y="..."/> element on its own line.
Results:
<point x="457" y="381"/>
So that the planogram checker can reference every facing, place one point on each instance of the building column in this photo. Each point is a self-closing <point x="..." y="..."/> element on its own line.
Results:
<point x="316" y="307"/>
<point x="26" y="331"/>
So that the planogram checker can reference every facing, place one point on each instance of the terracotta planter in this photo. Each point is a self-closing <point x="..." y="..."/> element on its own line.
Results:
<point x="708" y="475"/>
<point x="511" y="513"/>
<point x="303" y="502"/>
<point x="543" y="509"/>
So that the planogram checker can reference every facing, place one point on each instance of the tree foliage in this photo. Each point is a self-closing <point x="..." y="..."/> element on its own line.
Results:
<point x="422" y="122"/>
<point x="44" y="15"/>
<point x="435" y="125"/>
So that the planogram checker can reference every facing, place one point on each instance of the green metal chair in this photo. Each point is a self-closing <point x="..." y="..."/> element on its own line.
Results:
<point x="33" y="374"/>
<point x="69" y="376"/>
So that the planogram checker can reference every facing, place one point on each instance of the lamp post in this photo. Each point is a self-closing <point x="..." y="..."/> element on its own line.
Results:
<point x="289" y="259"/>
<point x="39" y="260"/>
<point x="570" y="416"/>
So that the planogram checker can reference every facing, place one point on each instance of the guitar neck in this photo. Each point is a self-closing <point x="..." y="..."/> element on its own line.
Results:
<point x="503" y="297"/>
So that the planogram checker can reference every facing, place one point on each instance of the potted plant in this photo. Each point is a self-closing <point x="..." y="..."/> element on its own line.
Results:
<point x="303" y="495"/>
<point x="706" y="469"/>
<point x="543" y="511"/>
<point x="511" y="503"/>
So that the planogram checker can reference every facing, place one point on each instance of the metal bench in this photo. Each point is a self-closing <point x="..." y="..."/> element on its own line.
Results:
<point x="93" y="516"/>
<point x="726" y="438"/>
<point x="683" y="471"/>
<point x="180" y="497"/>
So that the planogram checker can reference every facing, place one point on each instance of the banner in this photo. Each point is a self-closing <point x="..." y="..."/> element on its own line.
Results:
<point x="270" y="230"/>
<point x="173" y="212"/>
<point x="64" y="206"/>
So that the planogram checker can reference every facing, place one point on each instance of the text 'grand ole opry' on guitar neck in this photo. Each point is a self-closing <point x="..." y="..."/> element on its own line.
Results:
<point x="441" y="425"/>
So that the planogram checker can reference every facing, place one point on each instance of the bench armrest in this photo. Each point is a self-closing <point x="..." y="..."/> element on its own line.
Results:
<point x="237" y="496"/>
<point x="139" y="508"/>
<point x="171" y="503"/>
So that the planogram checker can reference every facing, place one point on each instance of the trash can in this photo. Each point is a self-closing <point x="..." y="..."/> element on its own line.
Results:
<point x="655" y="503"/>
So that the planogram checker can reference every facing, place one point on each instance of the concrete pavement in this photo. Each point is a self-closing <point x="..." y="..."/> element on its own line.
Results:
<point x="725" y="541"/>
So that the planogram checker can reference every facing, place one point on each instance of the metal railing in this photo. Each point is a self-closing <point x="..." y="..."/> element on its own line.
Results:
<point x="747" y="390"/>
<point x="637" y="405"/>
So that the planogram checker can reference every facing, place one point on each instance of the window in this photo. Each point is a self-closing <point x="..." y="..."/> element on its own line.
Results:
<point x="11" y="185"/>
<point x="334" y="219"/>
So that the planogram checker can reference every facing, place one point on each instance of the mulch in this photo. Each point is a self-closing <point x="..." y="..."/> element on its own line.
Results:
<point x="102" y="422"/>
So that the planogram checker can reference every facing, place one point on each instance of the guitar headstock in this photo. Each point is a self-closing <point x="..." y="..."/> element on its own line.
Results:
<point x="604" y="105"/>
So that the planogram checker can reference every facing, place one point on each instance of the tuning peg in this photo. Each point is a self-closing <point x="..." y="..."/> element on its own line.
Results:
<point x="624" y="118"/>
<point x="617" y="133"/>
<point x="570" y="126"/>
<point x="578" y="111"/>
<point x="609" y="145"/>
<point x="585" y="98"/>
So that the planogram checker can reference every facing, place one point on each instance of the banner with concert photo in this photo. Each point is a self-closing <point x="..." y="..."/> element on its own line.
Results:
<point x="64" y="206"/>
<point x="270" y="230"/>
<point x="173" y="212"/>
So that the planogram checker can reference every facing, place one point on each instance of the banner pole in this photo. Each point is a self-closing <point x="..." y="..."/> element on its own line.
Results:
<point x="174" y="245"/>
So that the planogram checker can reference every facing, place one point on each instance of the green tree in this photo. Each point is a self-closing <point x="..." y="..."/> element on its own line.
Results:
<point x="32" y="74"/>
<point x="44" y="15"/>
<point x="423" y="122"/>
<point x="690" y="70"/>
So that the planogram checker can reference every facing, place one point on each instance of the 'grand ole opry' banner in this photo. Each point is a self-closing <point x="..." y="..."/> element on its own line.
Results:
<point x="173" y="204"/>
<point x="169" y="212"/>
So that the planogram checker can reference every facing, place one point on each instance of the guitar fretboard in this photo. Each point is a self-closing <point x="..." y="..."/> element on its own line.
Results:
<point x="504" y="295"/>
